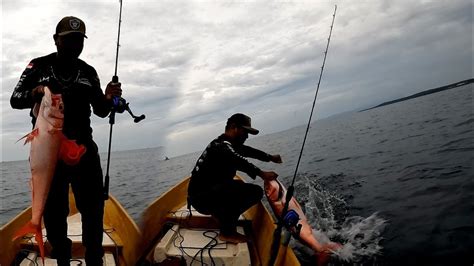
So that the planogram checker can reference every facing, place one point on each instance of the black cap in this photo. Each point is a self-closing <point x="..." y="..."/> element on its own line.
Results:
<point x="242" y="121"/>
<point x="69" y="25"/>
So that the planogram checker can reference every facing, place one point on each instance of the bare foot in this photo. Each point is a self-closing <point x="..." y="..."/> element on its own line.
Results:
<point x="233" y="238"/>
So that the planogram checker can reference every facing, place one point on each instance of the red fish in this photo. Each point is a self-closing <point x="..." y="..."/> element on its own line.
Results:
<point x="276" y="195"/>
<point x="48" y="144"/>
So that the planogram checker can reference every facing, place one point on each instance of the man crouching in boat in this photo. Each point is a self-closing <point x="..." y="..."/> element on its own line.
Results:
<point x="213" y="190"/>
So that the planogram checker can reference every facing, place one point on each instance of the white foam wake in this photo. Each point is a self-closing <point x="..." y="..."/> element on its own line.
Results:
<point x="359" y="236"/>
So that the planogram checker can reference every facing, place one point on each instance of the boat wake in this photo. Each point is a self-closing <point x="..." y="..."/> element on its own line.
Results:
<point x="327" y="212"/>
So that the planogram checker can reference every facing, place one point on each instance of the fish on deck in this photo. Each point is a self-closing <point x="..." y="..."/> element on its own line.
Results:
<point x="48" y="144"/>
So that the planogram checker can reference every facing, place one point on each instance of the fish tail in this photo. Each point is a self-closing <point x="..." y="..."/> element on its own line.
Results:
<point x="71" y="152"/>
<point x="30" y="228"/>
<point x="324" y="255"/>
<point x="39" y="240"/>
<point x="30" y="136"/>
<point x="323" y="259"/>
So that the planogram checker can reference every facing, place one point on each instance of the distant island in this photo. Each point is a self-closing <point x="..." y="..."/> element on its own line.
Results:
<point x="423" y="93"/>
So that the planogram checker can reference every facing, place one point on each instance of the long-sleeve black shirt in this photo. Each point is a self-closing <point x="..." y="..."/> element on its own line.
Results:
<point x="219" y="163"/>
<point x="79" y="92"/>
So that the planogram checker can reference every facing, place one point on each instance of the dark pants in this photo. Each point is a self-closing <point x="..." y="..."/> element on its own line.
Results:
<point x="87" y="185"/>
<point x="227" y="202"/>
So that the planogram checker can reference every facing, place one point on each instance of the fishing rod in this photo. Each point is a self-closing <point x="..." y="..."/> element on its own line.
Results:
<point x="119" y="105"/>
<point x="289" y="194"/>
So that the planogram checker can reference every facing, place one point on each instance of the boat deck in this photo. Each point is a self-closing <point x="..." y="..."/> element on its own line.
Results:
<point x="194" y="238"/>
<point x="34" y="260"/>
<point x="111" y="242"/>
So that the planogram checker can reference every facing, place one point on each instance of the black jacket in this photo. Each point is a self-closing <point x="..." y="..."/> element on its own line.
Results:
<point x="219" y="163"/>
<point x="79" y="93"/>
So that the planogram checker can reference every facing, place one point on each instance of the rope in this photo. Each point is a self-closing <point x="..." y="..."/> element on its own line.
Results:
<point x="212" y="244"/>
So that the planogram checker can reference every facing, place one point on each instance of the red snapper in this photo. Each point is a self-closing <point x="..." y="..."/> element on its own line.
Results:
<point x="48" y="145"/>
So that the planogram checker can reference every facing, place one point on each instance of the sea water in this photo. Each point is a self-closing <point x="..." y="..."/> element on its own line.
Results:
<point x="393" y="184"/>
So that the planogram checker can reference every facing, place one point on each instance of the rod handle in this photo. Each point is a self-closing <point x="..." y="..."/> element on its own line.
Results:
<point x="139" y="118"/>
<point x="106" y="187"/>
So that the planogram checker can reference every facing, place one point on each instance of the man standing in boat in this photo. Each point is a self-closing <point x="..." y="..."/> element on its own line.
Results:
<point x="64" y="73"/>
<point x="212" y="188"/>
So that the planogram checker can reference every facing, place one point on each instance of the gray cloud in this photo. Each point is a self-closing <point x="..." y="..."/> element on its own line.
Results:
<point x="189" y="65"/>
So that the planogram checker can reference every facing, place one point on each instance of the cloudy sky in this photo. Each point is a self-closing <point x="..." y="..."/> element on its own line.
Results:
<point x="188" y="65"/>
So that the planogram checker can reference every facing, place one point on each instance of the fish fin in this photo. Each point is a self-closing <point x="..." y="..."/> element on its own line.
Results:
<point x="325" y="254"/>
<point x="30" y="136"/>
<point x="323" y="259"/>
<point x="71" y="152"/>
<point x="30" y="228"/>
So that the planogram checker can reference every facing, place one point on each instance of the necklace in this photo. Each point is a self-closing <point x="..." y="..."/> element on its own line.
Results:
<point x="65" y="82"/>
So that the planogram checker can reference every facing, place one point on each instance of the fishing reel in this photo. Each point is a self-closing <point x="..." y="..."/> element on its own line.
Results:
<point x="291" y="220"/>
<point x="120" y="105"/>
<point x="290" y="223"/>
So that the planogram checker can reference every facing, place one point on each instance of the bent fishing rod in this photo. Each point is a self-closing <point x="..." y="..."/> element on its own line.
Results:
<point x="286" y="217"/>
<point x="119" y="105"/>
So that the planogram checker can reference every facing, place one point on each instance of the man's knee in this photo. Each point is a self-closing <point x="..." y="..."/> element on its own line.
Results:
<point x="256" y="192"/>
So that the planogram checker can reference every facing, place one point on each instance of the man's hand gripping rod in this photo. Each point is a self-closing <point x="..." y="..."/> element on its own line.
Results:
<point x="119" y="105"/>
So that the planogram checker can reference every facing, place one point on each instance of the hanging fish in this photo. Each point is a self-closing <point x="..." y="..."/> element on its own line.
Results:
<point x="276" y="195"/>
<point x="48" y="144"/>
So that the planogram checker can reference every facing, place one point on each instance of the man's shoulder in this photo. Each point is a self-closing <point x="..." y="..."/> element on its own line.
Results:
<point x="221" y="145"/>
<point x="221" y="140"/>
<point x="42" y="60"/>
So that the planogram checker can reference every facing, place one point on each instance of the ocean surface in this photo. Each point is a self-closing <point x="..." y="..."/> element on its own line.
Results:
<point x="393" y="184"/>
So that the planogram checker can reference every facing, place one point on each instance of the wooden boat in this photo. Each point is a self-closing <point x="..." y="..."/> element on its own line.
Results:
<point x="167" y="224"/>
<point x="121" y="236"/>
<point x="125" y="244"/>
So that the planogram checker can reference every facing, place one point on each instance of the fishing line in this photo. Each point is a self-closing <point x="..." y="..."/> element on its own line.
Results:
<point x="277" y="233"/>
<point x="315" y="97"/>
<point x="115" y="77"/>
